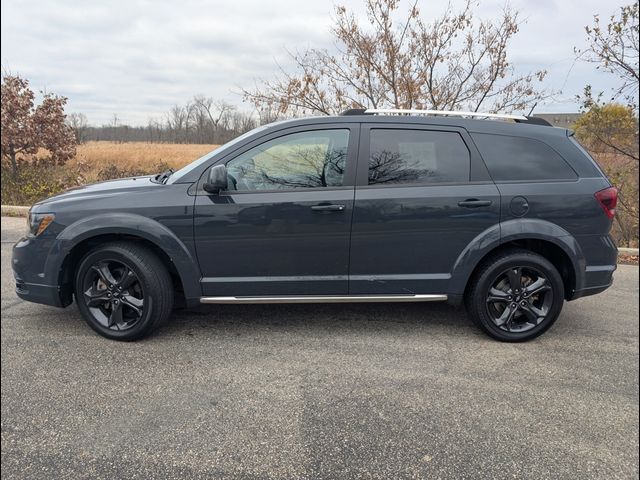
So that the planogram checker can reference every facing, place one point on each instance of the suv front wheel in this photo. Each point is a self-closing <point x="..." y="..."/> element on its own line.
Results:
<point x="515" y="296"/>
<point x="123" y="291"/>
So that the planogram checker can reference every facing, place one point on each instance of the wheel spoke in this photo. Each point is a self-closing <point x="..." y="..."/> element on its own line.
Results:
<point x="133" y="303"/>
<point x="104" y="273"/>
<point x="540" y="285"/>
<point x="515" y="278"/>
<point x="116" y="315"/>
<point x="496" y="295"/>
<point x="506" y="317"/>
<point x="128" y="279"/>
<point x="534" y="314"/>
<point x="509" y="323"/>
<point x="95" y="297"/>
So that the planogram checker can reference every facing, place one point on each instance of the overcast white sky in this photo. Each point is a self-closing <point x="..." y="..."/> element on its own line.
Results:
<point x="136" y="58"/>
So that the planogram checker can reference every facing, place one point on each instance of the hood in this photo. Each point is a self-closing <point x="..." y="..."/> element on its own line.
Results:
<point x="103" y="190"/>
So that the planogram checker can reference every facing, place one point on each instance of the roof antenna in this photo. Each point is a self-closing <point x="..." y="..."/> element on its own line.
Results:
<point x="531" y="111"/>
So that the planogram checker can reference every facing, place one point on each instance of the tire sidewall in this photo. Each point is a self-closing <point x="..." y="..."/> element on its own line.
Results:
<point x="488" y="277"/>
<point x="115" y="254"/>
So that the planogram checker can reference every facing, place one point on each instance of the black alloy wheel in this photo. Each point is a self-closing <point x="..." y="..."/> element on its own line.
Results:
<point x="123" y="290"/>
<point x="515" y="295"/>
<point x="114" y="295"/>
<point x="519" y="299"/>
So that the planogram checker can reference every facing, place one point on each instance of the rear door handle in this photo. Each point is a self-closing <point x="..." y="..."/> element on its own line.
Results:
<point x="327" y="208"/>
<point x="474" y="203"/>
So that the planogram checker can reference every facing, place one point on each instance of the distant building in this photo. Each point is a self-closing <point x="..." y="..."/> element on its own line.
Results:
<point x="564" y="120"/>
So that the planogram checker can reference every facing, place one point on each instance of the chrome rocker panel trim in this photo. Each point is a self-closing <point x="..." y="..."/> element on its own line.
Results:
<point x="326" y="299"/>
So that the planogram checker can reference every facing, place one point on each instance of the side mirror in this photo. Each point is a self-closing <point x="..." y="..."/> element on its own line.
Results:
<point x="217" y="179"/>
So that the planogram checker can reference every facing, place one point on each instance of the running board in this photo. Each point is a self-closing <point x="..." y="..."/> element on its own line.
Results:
<point x="326" y="299"/>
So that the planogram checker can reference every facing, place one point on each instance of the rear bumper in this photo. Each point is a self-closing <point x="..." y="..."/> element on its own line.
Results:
<point x="597" y="279"/>
<point x="600" y="262"/>
<point x="585" y="292"/>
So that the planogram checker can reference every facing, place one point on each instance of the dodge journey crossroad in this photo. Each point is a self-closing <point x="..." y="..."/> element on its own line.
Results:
<point x="503" y="213"/>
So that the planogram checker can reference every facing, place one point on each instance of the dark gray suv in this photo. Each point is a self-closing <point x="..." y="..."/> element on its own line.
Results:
<point x="507" y="214"/>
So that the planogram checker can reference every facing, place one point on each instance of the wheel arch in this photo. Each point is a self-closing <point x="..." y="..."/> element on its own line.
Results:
<point x="539" y="236"/>
<point x="80" y="237"/>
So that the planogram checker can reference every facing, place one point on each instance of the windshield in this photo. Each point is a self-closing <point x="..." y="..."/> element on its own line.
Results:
<point x="220" y="150"/>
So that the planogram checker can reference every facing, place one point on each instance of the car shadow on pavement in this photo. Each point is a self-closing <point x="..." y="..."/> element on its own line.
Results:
<point x="374" y="317"/>
<point x="299" y="319"/>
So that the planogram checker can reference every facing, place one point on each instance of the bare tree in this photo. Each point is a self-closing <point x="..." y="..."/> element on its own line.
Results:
<point x="268" y="112"/>
<point x="200" y="125"/>
<point x="177" y="123"/>
<point x="115" y="121"/>
<point x="153" y="131"/>
<point x="202" y="120"/>
<point x="452" y="62"/>
<point x="242" y="122"/>
<point x="79" y="123"/>
<point x="218" y="113"/>
<point x="614" y="49"/>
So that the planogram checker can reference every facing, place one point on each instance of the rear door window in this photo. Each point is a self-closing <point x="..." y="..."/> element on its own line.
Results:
<point x="417" y="157"/>
<point x="521" y="159"/>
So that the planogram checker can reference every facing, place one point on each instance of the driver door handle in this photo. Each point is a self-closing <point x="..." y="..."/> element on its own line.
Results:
<point x="327" y="208"/>
<point x="474" y="203"/>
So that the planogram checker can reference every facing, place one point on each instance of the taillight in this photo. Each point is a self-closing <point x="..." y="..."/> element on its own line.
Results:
<point x="608" y="199"/>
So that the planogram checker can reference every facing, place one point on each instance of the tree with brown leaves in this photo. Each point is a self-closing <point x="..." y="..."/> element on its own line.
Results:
<point x="453" y="62"/>
<point x="610" y="133"/>
<point x="27" y="128"/>
<point x="610" y="130"/>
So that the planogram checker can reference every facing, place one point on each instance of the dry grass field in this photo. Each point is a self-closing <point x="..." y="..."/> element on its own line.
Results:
<point x="94" y="161"/>
<point x="91" y="157"/>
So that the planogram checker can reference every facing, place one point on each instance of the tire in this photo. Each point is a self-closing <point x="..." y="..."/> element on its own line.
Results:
<point x="493" y="292"/>
<point x="123" y="291"/>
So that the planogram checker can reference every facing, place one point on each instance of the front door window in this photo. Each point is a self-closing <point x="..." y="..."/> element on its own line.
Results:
<point x="313" y="159"/>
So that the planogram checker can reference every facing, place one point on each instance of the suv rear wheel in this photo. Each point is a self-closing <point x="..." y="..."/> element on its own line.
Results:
<point x="123" y="291"/>
<point x="515" y="296"/>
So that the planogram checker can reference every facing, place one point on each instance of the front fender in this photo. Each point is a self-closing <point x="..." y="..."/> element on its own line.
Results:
<point x="517" y="229"/>
<point x="127" y="224"/>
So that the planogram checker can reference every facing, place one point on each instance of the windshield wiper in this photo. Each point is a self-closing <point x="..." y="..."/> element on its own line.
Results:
<point x="162" y="177"/>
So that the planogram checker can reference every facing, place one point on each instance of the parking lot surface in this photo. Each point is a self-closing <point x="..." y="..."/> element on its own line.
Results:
<point x="320" y="391"/>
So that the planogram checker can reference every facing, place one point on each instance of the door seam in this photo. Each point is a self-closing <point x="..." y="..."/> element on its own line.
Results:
<point x="353" y="208"/>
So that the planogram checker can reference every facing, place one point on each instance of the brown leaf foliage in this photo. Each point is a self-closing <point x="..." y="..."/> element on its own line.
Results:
<point x="610" y="133"/>
<point x="27" y="128"/>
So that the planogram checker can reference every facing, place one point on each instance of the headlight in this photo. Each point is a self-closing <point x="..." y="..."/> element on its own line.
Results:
<point x="38" y="222"/>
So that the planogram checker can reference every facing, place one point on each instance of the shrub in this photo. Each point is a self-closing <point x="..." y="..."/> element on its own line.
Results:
<point x="36" y="181"/>
<point x="112" y="171"/>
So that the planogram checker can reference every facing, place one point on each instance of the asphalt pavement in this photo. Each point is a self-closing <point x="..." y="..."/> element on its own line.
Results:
<point x="320" y="391"/>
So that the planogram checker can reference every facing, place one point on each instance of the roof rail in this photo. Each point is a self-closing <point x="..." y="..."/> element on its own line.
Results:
<point x="536" y="121"/>
<point x="355" y="111"/>
<point x="449" y="113"/>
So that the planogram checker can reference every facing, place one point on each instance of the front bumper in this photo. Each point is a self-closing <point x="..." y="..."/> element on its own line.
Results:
<point x="45" y="294"/>
<point x="28" y="261"/>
